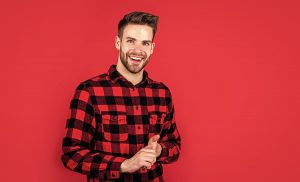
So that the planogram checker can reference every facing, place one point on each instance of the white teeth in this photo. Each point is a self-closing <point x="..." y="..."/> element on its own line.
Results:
<point x="136" y="58"/>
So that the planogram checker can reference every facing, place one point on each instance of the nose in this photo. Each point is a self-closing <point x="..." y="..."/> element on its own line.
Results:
<point x="138" y="47"/>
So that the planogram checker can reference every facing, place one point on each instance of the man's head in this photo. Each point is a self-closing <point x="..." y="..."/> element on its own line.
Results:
<point x="134" y="41"/>
<point x="138" y="18"/>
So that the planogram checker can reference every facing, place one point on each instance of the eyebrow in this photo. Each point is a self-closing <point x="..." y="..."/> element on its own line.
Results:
<point x="148" y="41"/>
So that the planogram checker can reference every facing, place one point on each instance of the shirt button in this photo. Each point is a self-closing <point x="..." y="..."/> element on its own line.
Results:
<point x="139" y="127"/>
<point x="113" y="175"/>
<point x="136" y="107"/>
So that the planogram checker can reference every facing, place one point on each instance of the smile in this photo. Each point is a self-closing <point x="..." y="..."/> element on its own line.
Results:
<point x="135" y="58"/>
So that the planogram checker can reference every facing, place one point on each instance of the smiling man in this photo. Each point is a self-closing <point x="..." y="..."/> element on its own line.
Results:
<point x="122" y="123"/>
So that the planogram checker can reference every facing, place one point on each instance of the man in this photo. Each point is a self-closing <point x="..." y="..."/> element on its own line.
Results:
<point x="122" y="125"/>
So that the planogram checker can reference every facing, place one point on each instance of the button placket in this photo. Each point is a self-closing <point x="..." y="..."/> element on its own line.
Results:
<point x="134" y="93"/>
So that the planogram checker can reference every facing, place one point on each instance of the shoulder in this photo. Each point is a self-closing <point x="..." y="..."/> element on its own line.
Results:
<point x="167" y="95"/>
<point x="162" y="86"/>
<point x="95" y="81"/>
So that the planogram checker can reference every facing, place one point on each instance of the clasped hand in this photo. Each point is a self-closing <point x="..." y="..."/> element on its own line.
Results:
<point x="144" y="158"/>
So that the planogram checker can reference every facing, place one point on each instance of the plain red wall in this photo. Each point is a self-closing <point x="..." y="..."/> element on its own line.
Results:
<point x="232" y="66"/>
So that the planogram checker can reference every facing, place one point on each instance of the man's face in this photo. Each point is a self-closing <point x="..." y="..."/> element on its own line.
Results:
<point x="135" y="47"/>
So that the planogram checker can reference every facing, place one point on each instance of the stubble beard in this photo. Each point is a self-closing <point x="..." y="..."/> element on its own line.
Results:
<point x="131" y="68"/>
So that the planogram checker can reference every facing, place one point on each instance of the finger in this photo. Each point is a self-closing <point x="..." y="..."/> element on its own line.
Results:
<point x="146" y="164"/>
<point x="150" y="165"/>
<point x="153" y="139"/>
<point x="152" y="146"/>
<point x="145" y="167"/>
<point x="148" y="150"/>
<point x="150" y="159"/>
<point x="152" y="155"/>
<point x="143" y="153"/>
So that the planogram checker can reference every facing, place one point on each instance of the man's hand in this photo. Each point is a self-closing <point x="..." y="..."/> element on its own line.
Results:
<point x="153" y="143"/>
<point x="144" y="158"/>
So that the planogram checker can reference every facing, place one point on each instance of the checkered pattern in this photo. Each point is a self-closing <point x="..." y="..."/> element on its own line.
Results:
<point x="111" y="120"/>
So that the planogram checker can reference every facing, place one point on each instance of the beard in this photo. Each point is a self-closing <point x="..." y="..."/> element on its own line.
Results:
<point x="126" y="61"/>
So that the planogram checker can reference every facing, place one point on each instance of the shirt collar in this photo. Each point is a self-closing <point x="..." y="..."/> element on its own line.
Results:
<point x="115" y="75"/>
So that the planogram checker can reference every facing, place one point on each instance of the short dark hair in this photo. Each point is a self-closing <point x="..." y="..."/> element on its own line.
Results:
<point x="140" y="18"/>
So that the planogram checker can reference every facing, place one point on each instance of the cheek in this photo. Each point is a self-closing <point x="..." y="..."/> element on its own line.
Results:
<point x="124" y="51"/>
<point x="127" y="47"/>
<point x="124" y="47"/>
<point x="148" y="53"/>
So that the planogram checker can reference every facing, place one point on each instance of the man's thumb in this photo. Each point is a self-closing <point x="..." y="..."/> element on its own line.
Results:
<point x="153" y="139"/>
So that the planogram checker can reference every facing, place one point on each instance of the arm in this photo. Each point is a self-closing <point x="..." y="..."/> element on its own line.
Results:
<point x="170" y="140"/>
<point x="77" y="146"/>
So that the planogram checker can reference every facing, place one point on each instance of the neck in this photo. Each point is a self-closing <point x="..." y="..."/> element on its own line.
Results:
<point x="134" y="78"/>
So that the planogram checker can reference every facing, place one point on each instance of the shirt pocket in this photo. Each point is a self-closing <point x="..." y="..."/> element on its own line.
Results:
<point x="156" y="123"/>
<point x="115" y="128"/>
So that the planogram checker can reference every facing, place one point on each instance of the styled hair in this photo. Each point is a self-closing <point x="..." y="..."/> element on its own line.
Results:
<point x="139" y="18"/>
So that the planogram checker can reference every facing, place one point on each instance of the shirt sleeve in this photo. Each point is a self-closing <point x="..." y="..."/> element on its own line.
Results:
<point x="78" y="154"/>
<point x="170" y="140"/>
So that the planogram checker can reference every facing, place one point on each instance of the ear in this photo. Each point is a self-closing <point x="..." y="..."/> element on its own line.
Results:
<point x="117" y="42"/>
<point x="152" y="48"/>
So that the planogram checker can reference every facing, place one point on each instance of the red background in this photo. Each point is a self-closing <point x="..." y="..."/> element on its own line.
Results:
<point x="232" y="66"/>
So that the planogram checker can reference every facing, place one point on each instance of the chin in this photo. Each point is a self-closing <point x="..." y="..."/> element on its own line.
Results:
<point x="135" y="70"/>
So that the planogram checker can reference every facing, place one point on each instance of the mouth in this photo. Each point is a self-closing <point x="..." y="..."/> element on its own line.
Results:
<point x="136" y="60"/>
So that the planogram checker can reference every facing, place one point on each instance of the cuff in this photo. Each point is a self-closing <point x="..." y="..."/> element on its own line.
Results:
<point x="115" y="167"/>
<point x="164" y="153"/>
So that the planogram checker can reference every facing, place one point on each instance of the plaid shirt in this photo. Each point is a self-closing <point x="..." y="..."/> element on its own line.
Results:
<point x="111" y="120"/>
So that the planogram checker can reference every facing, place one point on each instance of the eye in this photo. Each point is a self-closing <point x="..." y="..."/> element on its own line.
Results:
<point x="146" y="43"/>
<point x="130" y="41"/>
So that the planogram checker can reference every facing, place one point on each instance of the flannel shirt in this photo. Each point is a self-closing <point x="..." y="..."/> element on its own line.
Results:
<point x="111" y="120"/>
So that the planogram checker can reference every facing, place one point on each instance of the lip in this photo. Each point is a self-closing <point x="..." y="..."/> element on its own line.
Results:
<point x="136" y="57"/>
<point x="136" y="62"/>
<point x="141" y="57"/>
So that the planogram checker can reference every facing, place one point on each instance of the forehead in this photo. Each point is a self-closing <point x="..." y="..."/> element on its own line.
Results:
<point x="139" y="32"/>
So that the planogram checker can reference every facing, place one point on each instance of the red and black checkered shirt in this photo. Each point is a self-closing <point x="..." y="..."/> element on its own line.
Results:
<point x="111" y="120"/>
